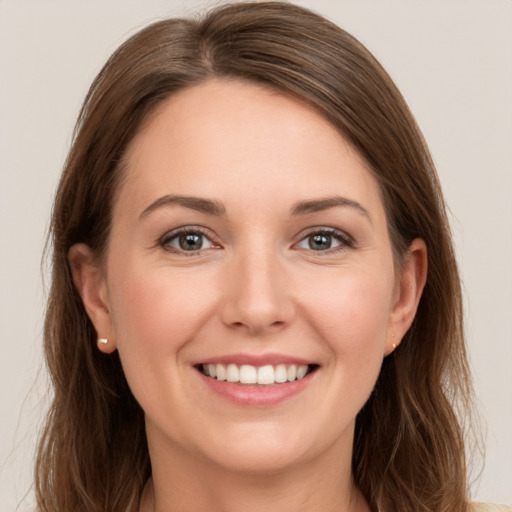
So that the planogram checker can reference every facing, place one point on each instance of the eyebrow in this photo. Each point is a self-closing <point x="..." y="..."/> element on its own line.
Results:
<point x="212" y="207"/>
<point x="199" y="204"/>
<point x="325" y="203"/>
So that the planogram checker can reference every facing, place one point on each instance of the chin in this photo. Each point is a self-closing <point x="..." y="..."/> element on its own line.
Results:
<point x="257" y="458"/>
<point x="264" y="448"/>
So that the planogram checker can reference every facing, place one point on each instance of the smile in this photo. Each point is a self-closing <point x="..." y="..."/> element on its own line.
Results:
<point x="266" y="375"/>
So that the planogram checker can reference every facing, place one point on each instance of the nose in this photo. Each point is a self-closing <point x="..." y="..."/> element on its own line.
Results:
<point x="257" y="295"/>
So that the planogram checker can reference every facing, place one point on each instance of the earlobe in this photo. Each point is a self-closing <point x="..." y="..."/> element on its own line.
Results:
<point x="90" y="282"/>
<point x="412" y="279"/>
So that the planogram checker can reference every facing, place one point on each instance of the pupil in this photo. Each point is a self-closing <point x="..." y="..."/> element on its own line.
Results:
<point x="190" y="242"/>
<point x="319" y="242"/>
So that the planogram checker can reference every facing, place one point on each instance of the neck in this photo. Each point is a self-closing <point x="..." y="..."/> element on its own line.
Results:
<point x="323" y="484"/>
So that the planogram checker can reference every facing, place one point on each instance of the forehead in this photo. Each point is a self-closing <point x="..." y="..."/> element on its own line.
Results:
<point x="224" y="136"/>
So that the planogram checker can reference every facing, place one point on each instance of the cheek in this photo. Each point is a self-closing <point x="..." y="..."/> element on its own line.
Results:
<point x="156" y="312"/>
<point x="149" y="304"/>
<point x="352" y="313"/>
<point x="350" y="318"/>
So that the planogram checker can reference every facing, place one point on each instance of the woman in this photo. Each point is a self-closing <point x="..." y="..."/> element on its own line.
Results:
<point x="241" y="314"/>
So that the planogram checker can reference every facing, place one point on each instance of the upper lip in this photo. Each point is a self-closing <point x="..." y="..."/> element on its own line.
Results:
<point x="254" y="359"/>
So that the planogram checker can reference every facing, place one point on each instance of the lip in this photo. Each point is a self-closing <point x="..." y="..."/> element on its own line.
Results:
<point x="254" y="359"/>
<point x="254" y="395"/>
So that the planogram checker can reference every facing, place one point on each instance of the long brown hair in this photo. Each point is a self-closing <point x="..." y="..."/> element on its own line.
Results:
<point x="409" y="446"/>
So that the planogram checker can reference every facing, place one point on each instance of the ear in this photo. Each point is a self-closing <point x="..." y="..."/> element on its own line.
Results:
<point x="90" y="282"/>
<point x="408" y="290"/>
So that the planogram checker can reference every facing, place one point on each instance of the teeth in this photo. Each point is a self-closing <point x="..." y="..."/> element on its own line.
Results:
<point x="220" y="370"/>
<point x="266" y="375"/>
<point x="280" y="374"/>
<point x="301" y="372"/>
<point x="232" y="373"/>
<point x="248" y="374"/>
<point x="212" y="370"/>
<point x="262" y="375"/>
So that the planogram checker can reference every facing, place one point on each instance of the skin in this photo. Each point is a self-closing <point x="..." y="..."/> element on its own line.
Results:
<point x="256" y="286"/>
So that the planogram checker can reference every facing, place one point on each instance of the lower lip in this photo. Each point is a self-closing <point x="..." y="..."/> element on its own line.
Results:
<point x="254" y="395"/>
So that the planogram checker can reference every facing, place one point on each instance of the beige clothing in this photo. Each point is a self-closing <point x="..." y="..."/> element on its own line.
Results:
<point x="488" y="507"/>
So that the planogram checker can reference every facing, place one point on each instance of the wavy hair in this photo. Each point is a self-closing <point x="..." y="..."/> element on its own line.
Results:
<point x="409" y="444"/>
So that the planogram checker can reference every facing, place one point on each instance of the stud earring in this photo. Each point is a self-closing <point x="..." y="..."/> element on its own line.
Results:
<point x="102" y="341"/>
<point x="394" y="346"/>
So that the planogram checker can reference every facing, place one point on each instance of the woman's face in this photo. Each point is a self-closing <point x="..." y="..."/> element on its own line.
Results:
<point x="249" y="241"/>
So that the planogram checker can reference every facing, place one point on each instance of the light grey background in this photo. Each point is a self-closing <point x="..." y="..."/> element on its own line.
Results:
<point x="451" y="59"/>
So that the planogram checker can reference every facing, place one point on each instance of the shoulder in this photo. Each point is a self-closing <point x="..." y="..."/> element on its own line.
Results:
<point x="488" y="507"/>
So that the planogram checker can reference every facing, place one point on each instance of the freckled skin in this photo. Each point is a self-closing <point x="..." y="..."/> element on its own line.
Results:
<point x="256" y="286"/>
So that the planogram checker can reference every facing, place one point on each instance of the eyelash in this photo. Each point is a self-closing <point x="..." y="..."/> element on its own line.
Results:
<point x="165" y="241"/>
<point x="344" y="239"/>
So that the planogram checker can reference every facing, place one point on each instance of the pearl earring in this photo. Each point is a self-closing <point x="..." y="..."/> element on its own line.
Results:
<point x="102" y="341"/>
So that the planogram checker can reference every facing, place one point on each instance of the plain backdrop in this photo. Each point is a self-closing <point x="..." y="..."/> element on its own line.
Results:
<point x="451" y="59"/>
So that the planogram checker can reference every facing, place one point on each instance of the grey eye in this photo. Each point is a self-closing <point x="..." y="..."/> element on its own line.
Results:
<point x="319" y="242"/>
<point x="189" y="241"/>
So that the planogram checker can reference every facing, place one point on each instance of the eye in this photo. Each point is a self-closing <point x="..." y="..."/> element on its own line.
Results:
<point x="325" y="240"/>
<point x="186" y="240"/>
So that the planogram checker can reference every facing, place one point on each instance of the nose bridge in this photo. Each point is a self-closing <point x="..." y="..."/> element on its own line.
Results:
<point x="257" y="298"/>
